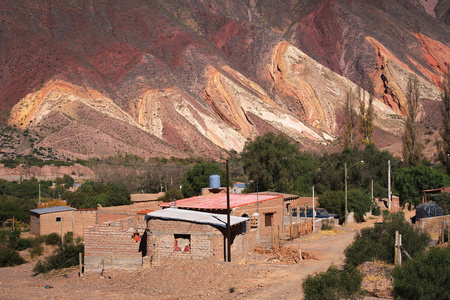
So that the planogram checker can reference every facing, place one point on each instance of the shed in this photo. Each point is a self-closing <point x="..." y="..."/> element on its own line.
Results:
<point x="58" y="219"/>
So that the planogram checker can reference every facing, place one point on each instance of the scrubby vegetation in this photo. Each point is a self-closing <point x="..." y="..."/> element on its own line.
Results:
<point x="377" y="243"/>
<point x="425" y="277"/>
<point x="66" y="255"/>
<point x="334" y="284"/>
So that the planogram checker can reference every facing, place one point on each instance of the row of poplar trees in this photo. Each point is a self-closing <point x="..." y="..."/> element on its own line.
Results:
<point x="358" y="127"/>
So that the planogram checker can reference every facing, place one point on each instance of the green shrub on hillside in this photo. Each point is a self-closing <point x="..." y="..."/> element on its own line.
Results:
<point x="53" y="239"/>
<point x="66" y="256"/>
<point x="333" y="284"/>
<point x="10" y="257"/>
<point x="378" y="242"/>
<point x="425" y="277"/>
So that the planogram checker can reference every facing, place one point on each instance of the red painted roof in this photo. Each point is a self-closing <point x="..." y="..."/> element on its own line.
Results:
<point x="219" y="201"/>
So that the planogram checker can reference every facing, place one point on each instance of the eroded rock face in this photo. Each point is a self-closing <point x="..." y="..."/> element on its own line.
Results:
<point x="193" y="78"/>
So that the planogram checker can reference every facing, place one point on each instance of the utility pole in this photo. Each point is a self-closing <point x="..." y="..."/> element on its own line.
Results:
<point x="228" y="216"/>
<point x="314" y="212"/>
<point x="345" y="166"/>
<point x="389" y="184"/>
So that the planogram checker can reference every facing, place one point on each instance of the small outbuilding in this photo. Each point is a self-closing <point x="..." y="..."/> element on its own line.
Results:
<point x="58" y="219"/>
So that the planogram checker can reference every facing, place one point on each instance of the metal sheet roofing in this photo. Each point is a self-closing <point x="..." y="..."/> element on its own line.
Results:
<point x="47" y="210"/>
<point x="219" y="201"/>
<point x="195" y="217"/>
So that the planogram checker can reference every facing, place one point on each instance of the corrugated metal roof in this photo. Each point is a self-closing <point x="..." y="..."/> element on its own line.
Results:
<point x="195" y="217"/>
<point x="47" y="210"/>
<point x="219" y="201"/>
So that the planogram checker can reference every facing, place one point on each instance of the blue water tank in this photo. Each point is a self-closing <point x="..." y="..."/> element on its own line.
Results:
<point x="214" y="181"/>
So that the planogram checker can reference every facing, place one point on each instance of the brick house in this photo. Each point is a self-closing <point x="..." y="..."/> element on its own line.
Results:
<point x="59" y="219"/>
<point x="178" y="234"/>
<point x="269" y="208"/>
<point x="162" y="236"/>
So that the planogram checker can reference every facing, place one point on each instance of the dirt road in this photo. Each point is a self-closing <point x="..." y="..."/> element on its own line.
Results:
<point x="261" y="277"/>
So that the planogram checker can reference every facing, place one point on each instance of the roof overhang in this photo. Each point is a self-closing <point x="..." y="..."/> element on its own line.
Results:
<point x="193" y="216"/>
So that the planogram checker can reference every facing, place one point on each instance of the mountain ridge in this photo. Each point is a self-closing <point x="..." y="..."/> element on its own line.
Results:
<point x="186" y="78"/>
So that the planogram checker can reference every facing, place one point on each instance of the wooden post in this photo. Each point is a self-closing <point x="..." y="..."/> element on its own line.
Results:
<point x="291" y="234"/>
<point x="62" y="230"/>
<point x="300" y="252"/>
<point x="395" y="247"/>
<point x="298" y="215"/>
<point x="112" y="266"/>
<point x="306" y="221"/>
<point x="278" y="237"/>
<point x="399" y="255"/>
<point x="80" y="258"/>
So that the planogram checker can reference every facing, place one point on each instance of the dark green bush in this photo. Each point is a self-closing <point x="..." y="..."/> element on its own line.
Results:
<point x="333" y="284"/>
<point x="13" y="239"/>
<point x="36" y="251"/>
<point x="326" y="227"/>
<point x="10" y="257"/>
<point x="376" y="210"/>
<point x="378" y="242"/>
<point x="24" y="244"/>
<point x="66" y="256"/>
<point x="53" y="239"/>
<point x="425" y="277"/>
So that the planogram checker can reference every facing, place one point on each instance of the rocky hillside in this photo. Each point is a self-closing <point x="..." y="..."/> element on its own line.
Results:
<point x="198" y="78"/>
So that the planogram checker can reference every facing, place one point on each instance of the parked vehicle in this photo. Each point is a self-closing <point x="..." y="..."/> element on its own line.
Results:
<point x="320" y="213"/>
<point x="427" y="210"/>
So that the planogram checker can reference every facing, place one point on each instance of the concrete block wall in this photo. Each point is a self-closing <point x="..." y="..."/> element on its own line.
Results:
<point x="114" y="240"/>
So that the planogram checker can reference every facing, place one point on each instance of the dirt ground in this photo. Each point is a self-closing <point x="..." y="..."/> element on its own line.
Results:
<point x="264" y="275"/>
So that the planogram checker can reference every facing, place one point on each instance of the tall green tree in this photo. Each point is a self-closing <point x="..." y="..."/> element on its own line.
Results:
<point x="268" y="163"/>
<point x="443" y="145"/>
<point x="366" y="116"/>
<point x="198" y="177"/>
<point x="350" y="121"/>
<point x="412" y="145"/>
<point x="409" y="182"/>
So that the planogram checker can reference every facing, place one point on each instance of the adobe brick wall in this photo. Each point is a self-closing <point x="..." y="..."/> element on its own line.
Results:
<point x="433" y="225"/>
<point x="84" y="219"/>
<point x="268" y="234"/>
<point x="114" y="239"/>
<point x="35" y="224"/>
<point x="206" y="241"/>
<point x="46" y="223"/>
<point x="395" y="204"/>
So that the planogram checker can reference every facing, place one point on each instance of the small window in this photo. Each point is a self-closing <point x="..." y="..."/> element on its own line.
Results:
<point x="58" y="219"/>
<point x="268" y="219"/>
<point x="182" y="242"/>
<point x="244" y="224"/>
